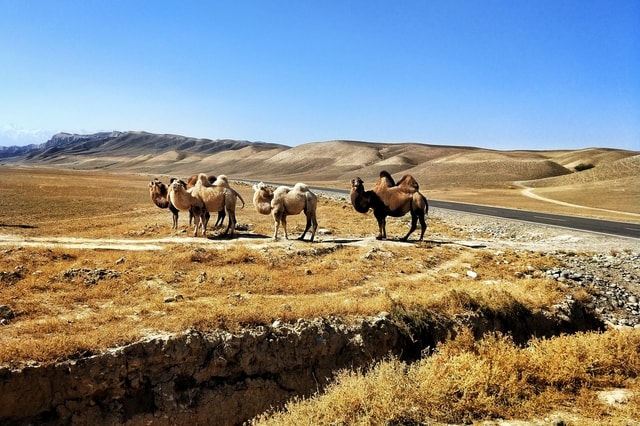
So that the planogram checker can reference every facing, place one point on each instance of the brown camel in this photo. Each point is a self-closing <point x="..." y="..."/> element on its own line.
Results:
<point x="390" y="199"/>
<point x="160" y="197"/>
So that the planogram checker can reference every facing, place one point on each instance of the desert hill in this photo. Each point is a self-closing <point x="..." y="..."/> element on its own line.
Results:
<point x="595" y="176"/>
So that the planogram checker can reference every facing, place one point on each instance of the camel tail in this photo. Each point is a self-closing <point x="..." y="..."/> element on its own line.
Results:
<point x="239" y="196"/>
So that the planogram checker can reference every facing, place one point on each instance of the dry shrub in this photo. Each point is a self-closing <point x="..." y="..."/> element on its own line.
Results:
<point x="468" y="380"/>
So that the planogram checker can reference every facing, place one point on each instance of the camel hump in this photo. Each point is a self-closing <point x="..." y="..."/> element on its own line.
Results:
<point x="192" y="181"/>
<point x="387" y="176"/>
<point x="301" y="187"/>
<point x="409" y="182"/>
<point x="222" y="180"/>
<point x="203" y="179"/>
<point x="281" y="190"/>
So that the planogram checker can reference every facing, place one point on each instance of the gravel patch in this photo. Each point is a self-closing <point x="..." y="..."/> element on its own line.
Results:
<point x="606" y="266"/>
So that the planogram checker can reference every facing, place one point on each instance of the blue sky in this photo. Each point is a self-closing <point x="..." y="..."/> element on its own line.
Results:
<point x="501" y="74"/>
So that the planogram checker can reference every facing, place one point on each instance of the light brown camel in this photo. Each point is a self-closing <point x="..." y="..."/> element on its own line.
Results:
<point x="285" y="201"/>
<point x="183" y="200"/>
<point x="262" y="196"/>
<point x="215" y="198"/>
<point x="160" y="196"/>
<point x="390" y="199"/>
<point x="221" y="214"/>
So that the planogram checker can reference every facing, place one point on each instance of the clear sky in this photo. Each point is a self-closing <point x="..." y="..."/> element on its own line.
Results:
<point x="502" y="74"/>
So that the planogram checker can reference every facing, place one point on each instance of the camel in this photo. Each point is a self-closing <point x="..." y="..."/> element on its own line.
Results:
<point x="262" y="197"/>
<point x="160" y="197"/>
<point x="223" y="181"/>
<point x="221" y="214"/>
<point x="390" y="199"/>
<point x="285" y="201"/>
<point x="215" y="198"/>
<point x="182" y="199"/>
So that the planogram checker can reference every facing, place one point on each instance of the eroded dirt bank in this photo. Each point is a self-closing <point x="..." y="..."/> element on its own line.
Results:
<point x="226" y="378"/>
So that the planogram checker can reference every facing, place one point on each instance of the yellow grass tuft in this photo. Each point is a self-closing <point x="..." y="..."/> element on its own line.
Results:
<point x="468" y="380"/>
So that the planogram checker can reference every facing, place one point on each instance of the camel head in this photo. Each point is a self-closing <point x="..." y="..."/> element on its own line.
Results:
<point x="357" y="184"/>
<point x="157" y="187"/>
<point x="178" y="183"/>
<point x="264" y="189"/>
<point x="260" y="186"/>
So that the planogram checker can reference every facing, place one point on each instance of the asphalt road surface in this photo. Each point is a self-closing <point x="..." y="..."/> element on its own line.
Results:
<point x="624" y="229"/>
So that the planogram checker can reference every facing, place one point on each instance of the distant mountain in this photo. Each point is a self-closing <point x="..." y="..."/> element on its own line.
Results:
<point x="119" y="143"/>
<point x="435" y="166"/>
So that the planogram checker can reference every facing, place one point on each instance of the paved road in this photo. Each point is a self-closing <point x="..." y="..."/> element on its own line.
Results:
<point x="625" y="229"/>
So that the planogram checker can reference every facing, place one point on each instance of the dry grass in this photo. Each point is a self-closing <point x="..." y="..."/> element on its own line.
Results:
<point x="71" y="302"/>
<point x="468" y="380"/>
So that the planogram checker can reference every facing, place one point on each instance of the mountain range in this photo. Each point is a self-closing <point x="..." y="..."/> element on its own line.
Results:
<point x="592" y="176"/>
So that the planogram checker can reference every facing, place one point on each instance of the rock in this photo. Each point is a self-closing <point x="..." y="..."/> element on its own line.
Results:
<point x="615" y="396"/>
<point x="6" y="313"/>
<point x="472" y="274"/>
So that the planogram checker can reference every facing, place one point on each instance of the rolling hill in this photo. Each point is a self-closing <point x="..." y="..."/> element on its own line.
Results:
<point x="438" y="168"/>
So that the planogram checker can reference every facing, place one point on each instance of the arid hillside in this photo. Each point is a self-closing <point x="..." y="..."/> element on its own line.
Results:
<point x="592" y="182"/>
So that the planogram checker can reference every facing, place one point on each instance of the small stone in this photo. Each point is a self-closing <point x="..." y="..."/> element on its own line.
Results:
<point x="615" y="396"/>
<point x="472" y="274"/>
<point x="6" y="313"/>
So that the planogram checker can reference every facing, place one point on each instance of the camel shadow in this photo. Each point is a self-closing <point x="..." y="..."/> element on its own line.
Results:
<point x="7" y="225"/>
<point x="342" y="240"/>
<point x="238" y="235"/>
<point x="440" y="243"/>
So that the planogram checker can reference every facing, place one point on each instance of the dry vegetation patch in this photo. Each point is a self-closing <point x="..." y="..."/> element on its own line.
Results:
<point x="70" y="302"/>
<point x="488" y="379"/>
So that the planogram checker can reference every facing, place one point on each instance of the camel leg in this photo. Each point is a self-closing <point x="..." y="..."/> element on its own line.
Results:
<point x="231" y="226"/>
<point x="382" y="228"/>
<point x="220" y="220"/>
<point x="414" y="221"/>
<point x="198" y="221"/>
<point x="423" y="226"/>
<point x="284" y="225"/>
<point x="314" y="227"/>
<point x="174" y="212"/>
<point x="311" y="223"/>
<point x="194" y="216"/>
<point x="204" y="221"/>
<point x="306" y="228"/>
<point x="276" y="224"/>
